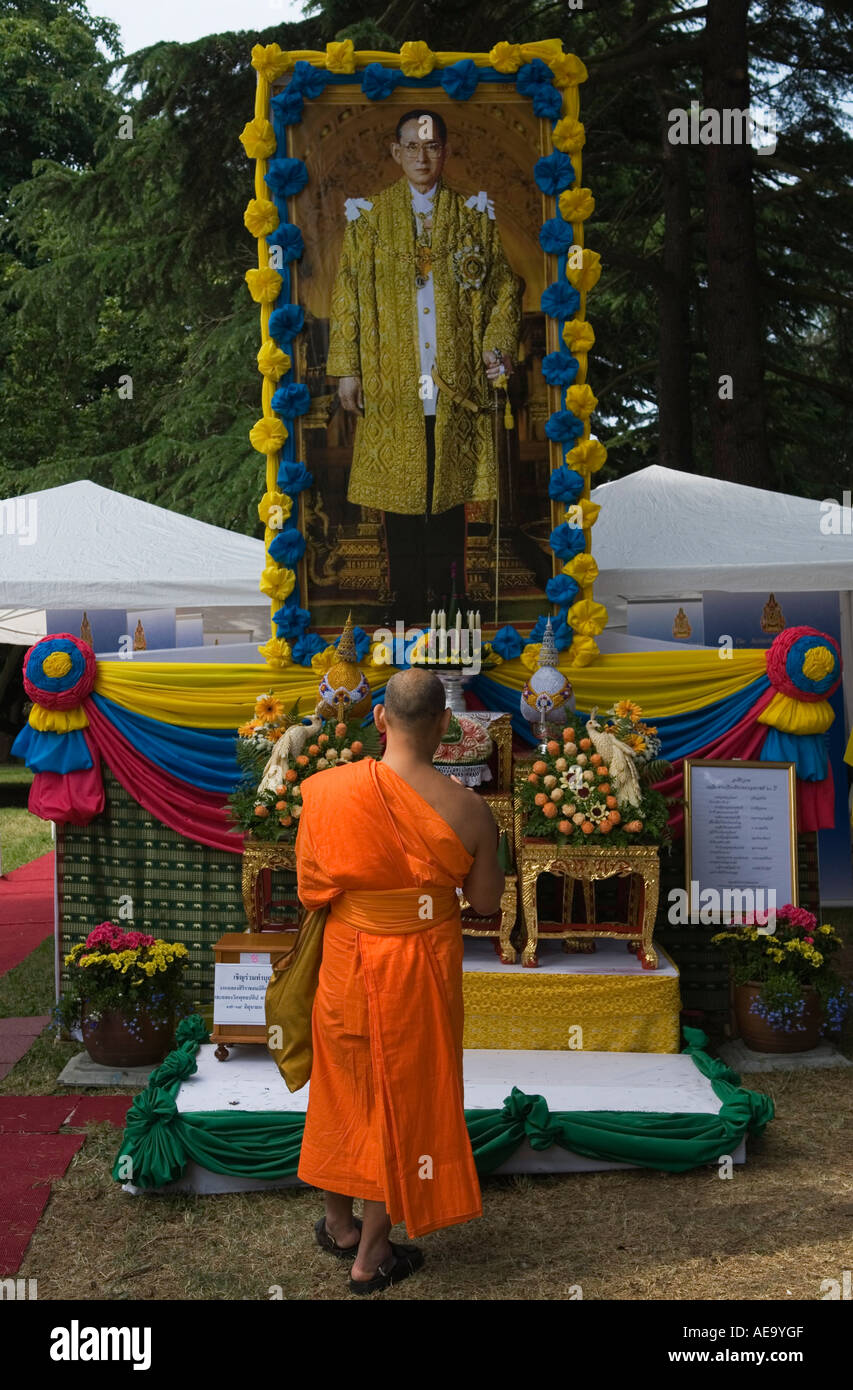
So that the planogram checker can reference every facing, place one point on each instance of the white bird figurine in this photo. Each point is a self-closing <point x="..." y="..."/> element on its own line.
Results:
<point x="619" y="760"/>
<point x="286" y="750"/>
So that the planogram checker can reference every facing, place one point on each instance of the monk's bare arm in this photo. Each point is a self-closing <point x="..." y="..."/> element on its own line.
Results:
<point x="485" y="882"/>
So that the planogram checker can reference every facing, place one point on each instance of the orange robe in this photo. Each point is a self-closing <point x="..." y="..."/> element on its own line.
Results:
<point x="385" y="1115"/>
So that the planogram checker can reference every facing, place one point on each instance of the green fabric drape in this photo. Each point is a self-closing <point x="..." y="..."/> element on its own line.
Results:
<point x="160" y="1141"/>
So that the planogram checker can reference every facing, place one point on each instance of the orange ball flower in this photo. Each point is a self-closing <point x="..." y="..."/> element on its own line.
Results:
<point x="302" y="761"/>
<point x="534" y="779"/>
<point x="323" y="738"/>
<point x="615" y="817"/>
<point x="604" y="787"/>
<point x="285" y="820"/>
<point x="553" y="746"/>
<point x="564" y="827"/>
<point x="549" y="810"/>
<point x="261" y="811"/>
<point x="340" y="730"/>
<point x="568" y="735"/>
<point x="611" y="801"/>
<point x="540" y="767"/>
<point x="587" y="827"/>
<point x="313" y="750"/>
<point x="356" y="747"/>
<point x="605" y="826"/>
<point x="541" y="799"/>
<point x="585" y="743"/>
<point x="281" y="805"/>
<point x="634" y="827"/>
<point x="291" y="775"/>
<point x="595" y="759"/>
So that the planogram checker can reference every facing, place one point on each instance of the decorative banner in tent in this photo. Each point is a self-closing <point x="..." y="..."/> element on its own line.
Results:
<point x="168" y="731"/>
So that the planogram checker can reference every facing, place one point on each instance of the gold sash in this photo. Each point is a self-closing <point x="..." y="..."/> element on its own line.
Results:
<point x="395" y="911"/>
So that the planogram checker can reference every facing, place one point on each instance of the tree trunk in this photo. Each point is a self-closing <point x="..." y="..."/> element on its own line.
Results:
<point x="735" y="358"/>
<point x="675" y="435"/>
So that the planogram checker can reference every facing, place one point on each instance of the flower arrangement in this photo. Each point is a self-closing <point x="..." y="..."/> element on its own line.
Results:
<point x="128" y="972"/>
<point x="573" y="796"/>
<point x="786" y="952"/>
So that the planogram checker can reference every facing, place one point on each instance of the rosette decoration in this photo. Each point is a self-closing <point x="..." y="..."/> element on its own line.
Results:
<point x="804" y="669"/>
<point x="59" y="674"/>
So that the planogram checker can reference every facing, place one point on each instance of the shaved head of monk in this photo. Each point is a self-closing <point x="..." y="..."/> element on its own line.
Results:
<point x="415" y="711"/>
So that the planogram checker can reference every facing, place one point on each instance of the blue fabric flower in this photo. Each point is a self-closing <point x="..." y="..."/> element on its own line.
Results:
<point x="533" y="75"/>
<point x="289" y="238"/>
<point x="559" y="368"/>
<point x="286" y="177"/>
<point x="560" y="300"/>
<point x="562" y="426"/>
<point x="293" y="477"/>
<point x="562" y="588"/>
<point x="566" y="541"/>
<point x="292" y="399"/>
<point x="285" y="322"/>
<point x="547" y="103"/>
<point x="288" y="547"/>
<point x="291" y="621"/>
<point x="460" y="79"/>
<point x="308" y="80"/>
<point x="306" y="647"/>
<point x="554" y="173"/>
<point x="378" y="82"/>
<point x="565" y="484"/>
<point x="562" y="633"/>
<point x="288" y="105"/>
<point x="362" y="642"/>
<point x="555" y="236"/>
<point x="508" y="642"/>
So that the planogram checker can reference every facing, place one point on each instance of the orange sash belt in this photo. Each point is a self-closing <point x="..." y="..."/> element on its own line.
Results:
<point x="396" y="911"/>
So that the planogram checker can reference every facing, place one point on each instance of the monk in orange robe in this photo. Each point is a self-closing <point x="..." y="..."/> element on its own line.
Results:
<point x="386" y="844"/>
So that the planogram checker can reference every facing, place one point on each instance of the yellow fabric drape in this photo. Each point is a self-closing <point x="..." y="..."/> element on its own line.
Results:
<point x="792" y="716"/>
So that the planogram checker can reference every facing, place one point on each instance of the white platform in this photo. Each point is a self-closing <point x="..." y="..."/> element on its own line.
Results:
<point x="619" y="1081"/>
<point x="609" y="958"/>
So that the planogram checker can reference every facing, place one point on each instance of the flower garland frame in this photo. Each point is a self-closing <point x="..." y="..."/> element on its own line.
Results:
<point x="550" y="78"/>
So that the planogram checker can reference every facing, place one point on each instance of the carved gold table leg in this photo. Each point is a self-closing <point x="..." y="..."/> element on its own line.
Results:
<point x="509" y="906"/>
<point x="249" y="893"/>
<point x="529" y="875"/>
<point x="651" y="883"/>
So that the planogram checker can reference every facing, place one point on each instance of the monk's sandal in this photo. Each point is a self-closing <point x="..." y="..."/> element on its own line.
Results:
<point x="405" y="1260"/>
<point x="328" y="1243"/>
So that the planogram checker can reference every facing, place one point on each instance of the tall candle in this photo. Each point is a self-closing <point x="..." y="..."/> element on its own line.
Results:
<point x="432" y="619"/>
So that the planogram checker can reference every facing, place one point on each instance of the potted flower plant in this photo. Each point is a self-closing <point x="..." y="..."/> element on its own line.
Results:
<point x="124" y="991"/>
<point x="785" y="989"/>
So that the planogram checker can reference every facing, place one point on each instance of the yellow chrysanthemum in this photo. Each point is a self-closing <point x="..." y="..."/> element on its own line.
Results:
<point x="276" y="652"/>
<point x="627" y="709"/>
<point x="583" y="568"/>
<point x="417" y="59"/>
<point x="258" y="139"/>
<point x="268" y="435"/>
<point x="583" y="513"/>
<point x="272" y="362"/>
<point x="56" y="665"/>
<point x="587" y="617"/>
<point x="268" y="708"/>
<point x="260" y="217"/>
<point x="585" y="277"/>
<point x="340" y="57"/>
<point x="264" y="284"/>
<point x="277" y="582"/>
<point x="581" y="401"/>
<point x="569" y="135"/>
<point x="321" y="661"/>
<point x="576" y="204"/>
<point x="530" y="655"/>
<point x="271" y="500"/>
<point x="568" y="70"/>
<point x="505" y="57"/>
<point x="269" y="61"/>
<point x="578" y="335"/>
<point x="583" y="650"/>
<point x="588" y="455"/>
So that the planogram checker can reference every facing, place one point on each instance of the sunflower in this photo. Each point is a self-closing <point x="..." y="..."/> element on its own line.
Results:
<point x="626" y="709"/>
<point x="637" y="742"/>
<point x="268" y="708"/>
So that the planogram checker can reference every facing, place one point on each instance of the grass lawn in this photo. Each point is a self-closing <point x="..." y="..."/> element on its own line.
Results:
<point x="23" y="837"/>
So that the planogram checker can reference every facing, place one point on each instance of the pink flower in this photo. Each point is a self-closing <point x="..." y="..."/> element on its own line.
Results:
<point x="809" y="940"/>
<point x="798" y="917"/>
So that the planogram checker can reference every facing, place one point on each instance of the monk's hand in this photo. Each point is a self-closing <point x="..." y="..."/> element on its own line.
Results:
<point x="350" y="394"/>
<point x="497" y="363"/>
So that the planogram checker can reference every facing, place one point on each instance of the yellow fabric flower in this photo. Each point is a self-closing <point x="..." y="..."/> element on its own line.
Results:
<point x="568" y="70"/>
<point x="417" y="59"/>
<point x="627" y="709"/>
<point x="258" y="139"/>
<point x="530" y="655"/>
<point x="576" y="204"/>
<point x="569" y="135"/>
<point x="269" y="61"/>
<point x="268" y="435"/>
<point x="587" y="455"/>
<point x="274" y="499"/>
<point x="505" y="57"/>
<point x="340" y="57"/>
<point x="264" y="285"/>
<point x="277" y="582"/>
<point x="587" y="617"/>
<point x="261" y="217"/>
<point x="276" y="652"/>
<point x="588" y="275"/>
<point x="817" y="663"/>
<point x="578" y="335"/>
<point x="321" y="661"/>
<point x="582" y="651"/>
<point x="583" y="513"/>
<point x="272" y="362"/>
<point x="581" y="401"/>
<point x="583" y="568"/>
<point x="56" y="665"/>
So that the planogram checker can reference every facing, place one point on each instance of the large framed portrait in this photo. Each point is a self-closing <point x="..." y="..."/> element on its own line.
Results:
<point x="421" y="280"/>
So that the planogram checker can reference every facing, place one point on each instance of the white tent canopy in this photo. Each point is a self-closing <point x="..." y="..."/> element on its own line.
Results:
<point x="85" y="546"/>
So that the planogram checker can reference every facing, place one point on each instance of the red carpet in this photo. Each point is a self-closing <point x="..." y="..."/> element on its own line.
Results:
<point x="26" y="910"/>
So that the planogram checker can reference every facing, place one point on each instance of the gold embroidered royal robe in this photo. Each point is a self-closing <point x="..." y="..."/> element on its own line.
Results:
<point x="374" y="335"/>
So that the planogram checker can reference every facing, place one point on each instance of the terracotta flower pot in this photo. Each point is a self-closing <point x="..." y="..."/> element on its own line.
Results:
<point x="109" y="1041"/>
<point x="763" y="1037"/>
